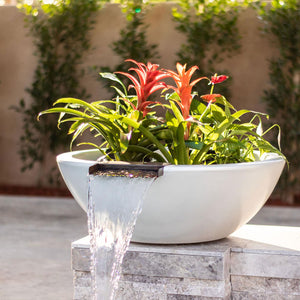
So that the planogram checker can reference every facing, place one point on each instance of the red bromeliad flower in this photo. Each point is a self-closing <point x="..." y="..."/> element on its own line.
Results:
<point x="211" y="97"/>
<point x="184" y="87"/>
<point x="148" y="83"/>
<point x="218" y="79"/>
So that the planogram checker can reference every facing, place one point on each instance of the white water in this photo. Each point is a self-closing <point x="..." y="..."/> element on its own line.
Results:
<point x="113" y="207"/>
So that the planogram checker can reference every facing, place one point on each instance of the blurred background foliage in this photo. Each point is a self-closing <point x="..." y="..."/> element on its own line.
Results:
<point x="60" y="33"/>
<point x="281" y="21"/>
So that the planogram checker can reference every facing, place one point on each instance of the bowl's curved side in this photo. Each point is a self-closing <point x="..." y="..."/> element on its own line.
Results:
<point x="198" y="203"/>
<point x="204" y="205"/>
<point x="74" y="168"/>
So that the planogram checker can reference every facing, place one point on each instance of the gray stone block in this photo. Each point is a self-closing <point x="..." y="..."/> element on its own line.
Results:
<point x="82" y="285"/>
<point x="265" y="264"/>
<point x="185" y="297"/>
<point x="135" y="290"/>
<point x="179" y="286"/>
<point x="81" y="259"/>
<point x="159" y="272"/>
<point x="261" y="296"/>
<point x="267" y="285"/>
<point x="232" y="268"/>
<point x="199" y="266"/>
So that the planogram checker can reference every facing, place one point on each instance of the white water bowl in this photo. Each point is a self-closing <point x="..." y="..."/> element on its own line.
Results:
<point x="188" y="204"/>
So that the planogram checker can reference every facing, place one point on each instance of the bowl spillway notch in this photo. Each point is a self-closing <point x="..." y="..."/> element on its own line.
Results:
<point x="127" y="169"/>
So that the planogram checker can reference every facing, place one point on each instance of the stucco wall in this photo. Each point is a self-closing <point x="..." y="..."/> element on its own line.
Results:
<point x="248" y="68"/>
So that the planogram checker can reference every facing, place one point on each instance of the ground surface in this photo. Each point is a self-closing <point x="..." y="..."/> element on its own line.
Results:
<point x="35" y="258"/>
<point x="36" y="234"/>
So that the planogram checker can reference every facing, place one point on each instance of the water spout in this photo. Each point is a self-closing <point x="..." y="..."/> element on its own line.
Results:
<point x="116" y="193"/>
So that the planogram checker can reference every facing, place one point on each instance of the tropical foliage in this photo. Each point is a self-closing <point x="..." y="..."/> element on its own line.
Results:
<point x="196" y="129"/>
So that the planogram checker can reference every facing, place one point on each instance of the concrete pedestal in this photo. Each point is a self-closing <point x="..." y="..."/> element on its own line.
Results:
<point x="256" y="262"/>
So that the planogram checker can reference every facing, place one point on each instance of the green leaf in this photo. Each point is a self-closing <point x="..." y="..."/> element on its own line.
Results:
<point x="78" y="132"/>
<point x="240" y="113"/>
<point x="124" y="141"/>
<point x="219" y="130"/>
<point x="198" y="107"/>
<point x="123" y="95"/>
<point x="75" y="125"/>
<point x="173" y="96"/>
<point x="218" y="113"/>
<point x="176" y="111"/>
<point x="222" y="100"/>
<point x="180" y="147"/>
<point x="164" y="134"/>
<point x="64" y="110"/>
<point x="194" y="145"/>
<point x="82" y="103"/>
<point x="259" y="129"/>
<point x="111" y="76"/>
<point x="147" y="152"/>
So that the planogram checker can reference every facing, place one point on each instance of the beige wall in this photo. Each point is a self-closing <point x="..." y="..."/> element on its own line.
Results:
<point x="248" y="68"/>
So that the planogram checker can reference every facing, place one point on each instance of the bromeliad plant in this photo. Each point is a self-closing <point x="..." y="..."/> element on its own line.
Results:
<point x="196" y="129"/>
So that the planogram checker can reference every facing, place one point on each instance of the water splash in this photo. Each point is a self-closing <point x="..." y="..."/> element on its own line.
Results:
<point x="114" y="204"/>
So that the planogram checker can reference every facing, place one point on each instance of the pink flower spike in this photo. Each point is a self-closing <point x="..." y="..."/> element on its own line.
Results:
<point x="148" y="82"/>
<point x="218" y="79"/>
<point x="184" y="86"/>
<point x="211" y="97"/>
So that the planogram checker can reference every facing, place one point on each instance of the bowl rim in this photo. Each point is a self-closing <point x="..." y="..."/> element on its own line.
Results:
<point x="269" y="158"/>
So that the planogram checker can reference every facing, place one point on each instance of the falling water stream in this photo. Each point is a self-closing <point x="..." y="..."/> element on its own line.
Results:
<point x="114" y="204"/>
